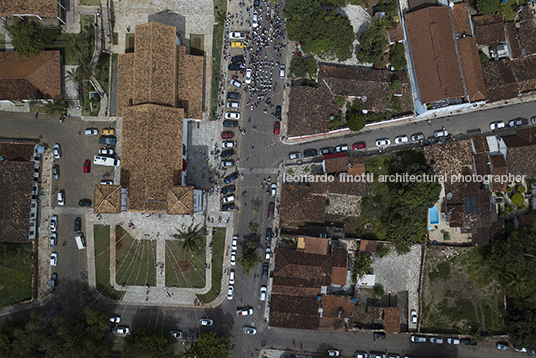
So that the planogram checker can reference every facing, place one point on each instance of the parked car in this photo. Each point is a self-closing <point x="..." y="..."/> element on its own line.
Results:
<point x="379" y="335"/>
<point x="294" y="155"/>
<point x="359" y="145"/>
<point x="515" y="122"/>
<point x="234" y="243"/>
<point x="244" y="311"/>
<point x="417" y="137"/>
<point x="53" y="222"/>
<point x="377" y="355"/>
<point x="418" y="339"/>
<point x="228" y="144"/>
<point x="234" y="95"/>
<point x="227" y="153"/>
<point x="232" y="104"/>
<point x="108" y="140"/>
<point x="247" y="78"/>
<point x="91" y="131"/>
<point x="256" y="4"/>
<point x="503" y="346"/>
<point x="401" y="139"/>
<point x="271" y="208"/>
<point x="115" y="319"/>
<point x="310" y="153"/>
<point x="262" y="295"/>
<point x="467" y="342"/>
<point x="87" y="166"/>
<point x="250" y="330"/>
<point x="521" y="350"/>
<point x="282" y="71"/>
<point x="278" y="112"/>
<point x="106" y="182"/>
<point x="207" y="322"/>
<point x="232" y="277"/>
<point x="237" y="44"/>
<point x="228" y="199"/>
<point x="108" y="131"/>
<point x="341" y="148"/>
<point x="383" y="142"/>
<point x="361" y="355"/>
<point x="496" y="125"/>
<point x="57" y="151"/>
<point x="230" y="124"/>
<point x="277" y="126"/>
<point x="441" y="133"/>
<point x="235" y="83"/>
<point x="227" y="163"/>
<point x="176" y="334"/>
<point x="413" y="316"/>
<point x="453" y="340"/>
<point x="334" y="353"/>
<point x="269" y="234"/>
<point x="122" y="330"/>
<point x="436" y="340"/>
<point x="237" y="59"/>
<point x="54" y="259"/>
<point x="53" y="239"/>
<point x="393" y="355"/>
<point x="267" y="253"/>
<point x="232" y="115"/>
<point x="77" y="225"/>
<point x="106" y="151"/>
<point x="533" y="120"/>
<point x="235" y="66"/>
<point x="233" y="258"/>
<point x="229" y="178"/>
<point x="326" y="151"/>
<point x="227" y="135"/>
<point x="55" y="172"/>
<point x="228" y="207"/>
<point x="54" y="280"/>
<point x="84" y="202"/>
<point x="61" y="197"/>
<point x="273" y="190"/>
<point x="265" y="268"/>
<point x="230" y="292"/>
<point x="228" y="189"/>
<point x="255" y="19"/>
<point x="237" y="35"/>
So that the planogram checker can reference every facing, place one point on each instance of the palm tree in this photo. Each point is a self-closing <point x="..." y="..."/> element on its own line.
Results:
<point x="191" y="238"/>
<point x="515" y="281"/>
<point x="54" y="107"/>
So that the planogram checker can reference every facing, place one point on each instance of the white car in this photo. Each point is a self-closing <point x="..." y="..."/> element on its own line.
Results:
<point x="334" y="353"/>
<point x="233" y="258"/>
<point x="235" y="83"/>
<point x="413" y="316"/>
<point x="230" y="292"/>
<point x="515" y="123"/>
<point x="273" y="190"/>
<point x="246" y="311"/>
<point x="206" y="322"/>
<point x="61" y="198"/>
<point x="237" y="35"/>
<point x="436" y="340"/>
<point x="53" y="223"/>
<point x="232" y="104"/>
<point x="401" y="139"/>
<point x="496" y="125"/>
<point x="53" y="239"/>
<point x="91" y="131"/>
<point x="268" y="252"/>
<point x="228" y="144"/>
<point x="231" y="277"/>
<point x="57" y="151"/>
<point x="441" y="133"/>
<point x="383" y="142"/>
<point x="54" y="259"/>
<point x="227" y="163"/>
<point x="228" y="199"/>
<point x="232" y="115"/>
<point x="255" y="19"/>
<point x="341" y="148"/>
<point x="250" y="330"/>
<point x="176" y="334"/>
<point x="282" y="71"/>
<point x="122" y="330"/>
<point x="115" y="319"/>
<point x="453" y="341"/>
<point x="106" y="151"/>
<point x="234" y="245"/>
<point x="262" y="296"/>
<point x="106" y="182"/>
<point x="247" y="79"/>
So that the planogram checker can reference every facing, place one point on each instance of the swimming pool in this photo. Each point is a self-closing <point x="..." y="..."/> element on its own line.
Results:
<point x="433" y="213"/>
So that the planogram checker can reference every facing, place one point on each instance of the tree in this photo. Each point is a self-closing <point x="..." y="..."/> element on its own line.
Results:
<point x="521" y="326"/>
<point x="54" y="107"/>
<point x="303" y="67"/>
<point x="397" y="56"/>
<point x="361" y="266"/>
<point x="356" y="121"/>
<point x="191" y="238"/>
<point x="143" y="343"/>
<point x="487" y="7"/>
<point x="373" y="42"/>
<point x="25" y="37"/>
<point x="249" y="258"/>
<point x="210" y="345"/>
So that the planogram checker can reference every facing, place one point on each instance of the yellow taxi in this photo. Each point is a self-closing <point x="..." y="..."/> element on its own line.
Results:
<point x="237" y="44"/>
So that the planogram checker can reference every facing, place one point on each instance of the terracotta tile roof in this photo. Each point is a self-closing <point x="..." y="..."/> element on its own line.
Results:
<point x="337" y="314"/>
<point x="450" y="157"/>
<point x="481" y="161"/>
<point x="499" y="168"/>
<point x="526" y="221"/>
<point x="480" y="144"/>
<point x="336" y="165"/>
<point x="190" y="84"/>
<point x="357" y="166"/>
<point x="294" y="312"/>
<point x="151" y="155"/>
<point x="508" y="79"/>
<point x="472" y="69"/>
<point x="489" y="29"/>
<point x="309" y="110"/>
<point x="338" y="276"/>
<point x="434" y="54"/>
<point x="521" y="161"/>
<point x="419" y="4"/>
<point x="460" y="19"/>
<point x="523" y="138"/>
<point x="16" y="180"/>
<point x="125" y="81"/>
<point x="38" y="76"/>
<point x="368" y="246"/>
<point x="339" y="187"/>
<point x="107" y="199"/>
<point x="180" y="200"/>
<point x="316" y="245"/>
<point x="391" y="318"/>
<point x="300" y="203"/>
<point x="43" y="8"/>
<point x="513" y="40"/>
<point x="396" y="34"/>
<point x="527" y="30"/>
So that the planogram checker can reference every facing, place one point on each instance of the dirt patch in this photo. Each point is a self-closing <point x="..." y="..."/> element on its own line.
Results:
<point x="458" y="294"/>
<point x="183" y="266"/>
<point x="119" y="235"/>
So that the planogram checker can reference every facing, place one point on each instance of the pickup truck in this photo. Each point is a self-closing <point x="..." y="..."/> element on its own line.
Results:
<point x="108" y="140"/>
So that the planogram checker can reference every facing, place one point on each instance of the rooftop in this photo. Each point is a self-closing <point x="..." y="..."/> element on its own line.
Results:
<point x="107" y="199"/>
<point x="527" y="30"/>
<point x="489" y="29"/>
<point x="337" y="313"/>
<point x="43" y="8"/>
<point x="336" y="165"/>
<point x="300" y="203"/>
<point x="190" y="84"/>
<point x="450" y="158"/>
<point x="316" y="245"/>
<point x="508" y="79"/>
<point x="391" y="317"/>
<point x="294" y="312"/>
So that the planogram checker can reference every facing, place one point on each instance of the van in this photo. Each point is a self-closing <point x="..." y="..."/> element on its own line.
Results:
<point x="79" y="238"/>
<point x="106" y="161"/>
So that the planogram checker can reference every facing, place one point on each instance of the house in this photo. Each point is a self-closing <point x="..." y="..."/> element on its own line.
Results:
<point x="16" y="184"/>
<point x="521" y="148"/>
<point x="43" y="10"/>
<point x="391" y="318"/>
<point x="492" y="30"/>
<point x="446" y="64"/>
<point x="107" y="199"/>
<point x="38" y="76"/>
<point x="368" y="246"/>
<point x="335" y="163"/>
<point x="527" y="30"/>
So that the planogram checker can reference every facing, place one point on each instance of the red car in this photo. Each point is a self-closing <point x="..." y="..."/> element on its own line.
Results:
<point x="271" y="208"/>
<point x="277" y="125"/>
<point x="87" y="166"/>
<point x="359" y="145"/>
<point x="227" y="135"/>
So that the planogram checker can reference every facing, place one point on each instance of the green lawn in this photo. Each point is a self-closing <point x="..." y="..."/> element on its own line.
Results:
<point x="90" y="2"/>
<point x="103" y="71"/>
<point x="101" y="236"/>
<point x="218" y="247"/>
<point x="135" y="260"/>
<point x="197" y="45"/>
<point x="508" y="10"/>
<point x="129" y="43"/>
<point x="16" y="273"/>
<point x="2" y="42"/>
<point x="185" y="269"/>
<point x="64" y="44"/>
<point x="89" y="108"/>
<point x="220" y="12"/>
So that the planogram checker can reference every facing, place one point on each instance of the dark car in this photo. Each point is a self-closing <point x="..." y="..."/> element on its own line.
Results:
<point x="55" y="172"/>
<point x="84" y="202"/>
<point x="228" y="207"/>
<point x="229" y="178"/>
<point x="77" y="225"/>
<point x="310" y="153"/>
<point x="359" y="145"/>
<point x="227" y="135"/>
<point x="269" y="234"/>
<point x="227" y="153"/>
<point x="234" y="95"/>
<point x="54" y="280"/>
<point x="265" y="271"/>
<point x="235" y="66"/>
<point x="237" y="59"/>
<point x="326" y="151"/>
<point x="515" y="122"/>
<point x="256" y="4"/>
<point x="271" y="208"/>
<point x="278" y="112"/>
<point x="230" y="123"/>
<point x="379" y="335"/>
<point x="228" y="189"/>
<point x="108" y="140"/>
<point x="467" y="342"/>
